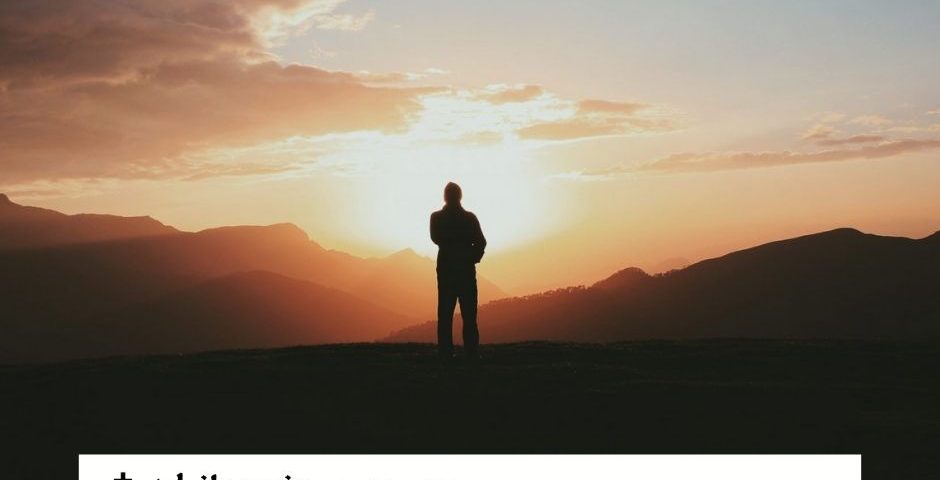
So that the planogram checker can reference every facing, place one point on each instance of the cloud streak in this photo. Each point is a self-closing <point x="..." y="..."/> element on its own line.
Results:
<point x="599" y="118"/>
<point x="688" y="162"/>
<point x="501" y="94"/>
<point x="711" y="162"/>
<point x="824" y="135"/>
<point x="852" y="140"/>
<point x="344" y="21"/>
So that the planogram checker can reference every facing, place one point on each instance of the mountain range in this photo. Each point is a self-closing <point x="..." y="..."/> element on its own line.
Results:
<point x="76" y="286"/>
<point x="836" y="284"/>
<point x="31" y="227"/>
<point x="92" y="285"/>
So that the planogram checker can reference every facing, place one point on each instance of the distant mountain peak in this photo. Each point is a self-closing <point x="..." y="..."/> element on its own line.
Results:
<point x="405" y="258"/>
<point x="842" y="231"/>
<point x="5" y="202"/>
<point x="138" y="220"/>
<point x="836" y="233"/>
<point x="290" y="229"/>
<point x="35" y="227"/>
<point x="670" y="264"/>
<point x="405" y="253"/>
<point x="835" y="236"/>
<point x="626" y="278"/>
<point x="281" y="230"/>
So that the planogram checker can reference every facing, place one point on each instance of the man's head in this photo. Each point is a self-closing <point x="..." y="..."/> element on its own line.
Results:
<point x="452" y="194"/>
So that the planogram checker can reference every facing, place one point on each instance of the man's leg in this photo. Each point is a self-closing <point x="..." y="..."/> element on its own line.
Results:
<point x="468" y="311"/>
<point x="446" y="301"/>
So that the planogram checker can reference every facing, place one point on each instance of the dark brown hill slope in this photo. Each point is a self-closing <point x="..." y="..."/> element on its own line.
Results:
<point x="836" y="284"/>
<point x="22" y="226"/>
<point x="242" y="310"/>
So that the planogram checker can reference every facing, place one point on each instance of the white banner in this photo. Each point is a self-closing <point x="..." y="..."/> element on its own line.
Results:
<point x="469" y="467"/>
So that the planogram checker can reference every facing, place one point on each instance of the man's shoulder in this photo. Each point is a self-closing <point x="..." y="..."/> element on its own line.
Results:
<point x="454" y="213"/>
<point x="438" y="215"/>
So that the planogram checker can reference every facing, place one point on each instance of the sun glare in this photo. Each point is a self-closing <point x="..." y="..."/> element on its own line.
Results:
<point x="400" y="177"/>
<point x="499" y="184"/>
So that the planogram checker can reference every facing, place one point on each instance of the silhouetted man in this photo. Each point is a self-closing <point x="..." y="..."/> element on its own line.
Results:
<point x="460" y="244"/>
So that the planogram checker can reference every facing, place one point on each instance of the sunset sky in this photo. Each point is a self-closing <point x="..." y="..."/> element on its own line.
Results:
<point x="588" y="136"/>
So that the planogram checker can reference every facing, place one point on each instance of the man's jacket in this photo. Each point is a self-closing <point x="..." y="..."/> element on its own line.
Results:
<point x="458" y="235"/>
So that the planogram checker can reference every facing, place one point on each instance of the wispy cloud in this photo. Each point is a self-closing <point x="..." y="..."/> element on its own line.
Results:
<point x="344" y="21"/>
<point x="825" y="135"/>
<point x="529" y="114"/>
<point x="871" y="120"/>
<point x="499" y="94"/>
<point x="606" y="107"/>
<point x="915" y="128"/>
<point x="278" y="20"/>
<point x="398" y="77"/>
<point x="318" y="52"/>
<point x="852" y="140"/>
<point x="819" y="132"/>
<point x="859" y="146"/>
<point x="828" y="117"/>
<point x="710" y="162"/>
<point x="598" y="118"/>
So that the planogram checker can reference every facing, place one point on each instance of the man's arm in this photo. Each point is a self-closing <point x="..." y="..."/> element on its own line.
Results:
<point x="479" y="241"/>
<point x="435" y="231"/>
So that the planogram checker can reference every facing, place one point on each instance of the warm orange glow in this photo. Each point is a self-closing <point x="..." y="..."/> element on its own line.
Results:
<point x="581" y="154"/>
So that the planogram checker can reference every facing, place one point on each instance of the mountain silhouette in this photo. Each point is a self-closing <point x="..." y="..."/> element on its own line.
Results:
<point x="22" y="226"/>
<point x="50" y="291"/>
<point x="242" y="310"/>
<point x="138" y="286"/>
<point x="836" y="284"/>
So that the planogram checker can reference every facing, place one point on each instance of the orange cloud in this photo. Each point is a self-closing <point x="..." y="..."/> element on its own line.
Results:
<point x="397" y="77"/>
<point x="47" y="42"/>
<point x="521" y="93"/>
<point x="124" y="89"/>
<point x="139" y="128"/>
<point x="819" y="132"/>
<point x="170" y="88"/>
<point x="608" y="107"/>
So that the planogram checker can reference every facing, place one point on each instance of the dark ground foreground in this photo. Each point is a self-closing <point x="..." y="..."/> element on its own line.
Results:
<point x="721" y="396"/>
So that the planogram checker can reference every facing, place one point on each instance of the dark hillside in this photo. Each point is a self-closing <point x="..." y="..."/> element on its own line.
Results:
<point x="31" y="227"/>
<point x="836" y="284"/>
